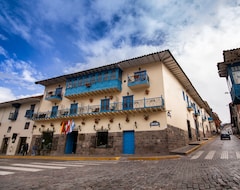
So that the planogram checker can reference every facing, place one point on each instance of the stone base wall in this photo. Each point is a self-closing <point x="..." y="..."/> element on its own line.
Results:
<point x="86" y="145"/>
<point x="151" y="142"/>
<point x="146" y="142"/>
<point x="176" y="137"/>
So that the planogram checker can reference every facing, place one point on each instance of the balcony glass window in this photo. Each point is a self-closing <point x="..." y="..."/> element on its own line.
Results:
<point x="99" y="77"/>
<point x="105" y="76"/>
<point x="80" y="82"/>
<point x="93" y="79"/>
<point x="112" y="75"/>
<point x="236" y="74"/>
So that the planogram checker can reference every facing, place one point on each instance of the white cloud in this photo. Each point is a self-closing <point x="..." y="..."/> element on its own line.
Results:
<point x="3" y="52"/>
<point x="6" y="94"/>
<point x="195" y="32"/>
<point x="2" y="37"/>
<point x="196" y="40"/>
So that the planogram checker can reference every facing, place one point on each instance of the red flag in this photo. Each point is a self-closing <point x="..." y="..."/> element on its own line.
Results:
<point x="67" y="127"/>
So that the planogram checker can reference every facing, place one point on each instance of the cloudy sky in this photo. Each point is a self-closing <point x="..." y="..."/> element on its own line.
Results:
<point x="45" y="39"/>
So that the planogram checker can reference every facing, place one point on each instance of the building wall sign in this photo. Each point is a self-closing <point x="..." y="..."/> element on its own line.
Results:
<point x="155" y="124"/>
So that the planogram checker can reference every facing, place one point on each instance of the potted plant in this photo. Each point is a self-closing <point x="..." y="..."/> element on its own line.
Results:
<point x="146" y="117"/>
<point x="97" y="120"/>
<point x="88" y="85"/>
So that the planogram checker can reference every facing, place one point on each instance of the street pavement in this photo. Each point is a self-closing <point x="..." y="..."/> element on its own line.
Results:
<point x="213" y="165"/>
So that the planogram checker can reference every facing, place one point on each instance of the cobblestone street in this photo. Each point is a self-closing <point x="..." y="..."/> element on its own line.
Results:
<point x="213" y="166"/>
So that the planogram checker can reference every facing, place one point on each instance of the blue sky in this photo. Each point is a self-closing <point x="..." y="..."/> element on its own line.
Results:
<point x="44" y="39"/>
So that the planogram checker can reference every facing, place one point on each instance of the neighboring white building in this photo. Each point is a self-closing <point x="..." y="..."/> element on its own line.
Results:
<point x="144" y="105"/>
<point x="16" y="123"/>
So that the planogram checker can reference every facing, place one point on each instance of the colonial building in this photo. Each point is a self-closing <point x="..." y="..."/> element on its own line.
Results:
<point x="16" y="125"/>
<point x="144" y="105"/>
<point x="230" y="69"/>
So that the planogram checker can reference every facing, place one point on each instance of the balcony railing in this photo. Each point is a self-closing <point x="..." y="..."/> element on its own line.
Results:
<point x="151" y="104"/>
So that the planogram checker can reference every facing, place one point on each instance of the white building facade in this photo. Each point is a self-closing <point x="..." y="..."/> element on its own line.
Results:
<point x="16" y="125"/>
<point x="144" y="105"/>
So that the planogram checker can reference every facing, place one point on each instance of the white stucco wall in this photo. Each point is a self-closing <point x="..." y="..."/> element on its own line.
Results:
<point x="17" y="126"/>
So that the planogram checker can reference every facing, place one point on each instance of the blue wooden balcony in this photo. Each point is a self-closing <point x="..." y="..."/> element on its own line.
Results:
<point x="54" y="96"/>
<point x="138" y="80"/>
<point x="13" y="116"/>
<point x="29" y="114"/>
<point x="190" y="107"/>
<point x="94" y="88"/>
<point x="137" y="106"/>
<point x="101" y="82"/>
<point x="210" y="119"/>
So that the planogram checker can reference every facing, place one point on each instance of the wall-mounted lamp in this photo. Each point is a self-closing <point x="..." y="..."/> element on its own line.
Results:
<point x="53" y="128"/>
<point x="94" y="127"/>
<point x="119" y="126"/>
<point x="79" y="127"/>
<point x="169" y="114"/>
<point x="109" y="126"/>
<point x="39" y="129"/>
<point x="135" y="123"/>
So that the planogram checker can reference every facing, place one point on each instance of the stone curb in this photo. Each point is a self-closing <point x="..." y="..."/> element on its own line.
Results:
<point x="59" y="158"/>
<point x="91" y="158"/>
<point x="155" y="157"/>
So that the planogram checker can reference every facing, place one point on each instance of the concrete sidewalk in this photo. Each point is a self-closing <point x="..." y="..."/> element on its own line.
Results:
<point x="191" y="147"/>
<point x="175" y="154"/>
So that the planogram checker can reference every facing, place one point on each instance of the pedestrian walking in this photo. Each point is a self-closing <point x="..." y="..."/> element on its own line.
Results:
<point x="34" y="149"/>
<point x="25" y="149"/>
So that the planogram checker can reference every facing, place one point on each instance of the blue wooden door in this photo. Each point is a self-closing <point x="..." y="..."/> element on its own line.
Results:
<point x="71" y="142"/>
<point x="105" y="104"/>
<point x="128" y="142"/>
<point x="54" y="111"/>
<point x="127" y="102"/>
<point x="73" y="109"/>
